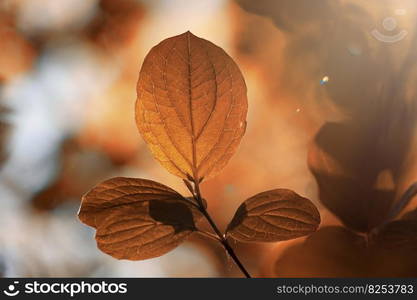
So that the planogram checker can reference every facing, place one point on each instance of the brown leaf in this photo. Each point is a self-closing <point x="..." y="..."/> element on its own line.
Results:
<point x="191" y="106"/>
<point x="335" y="251"/>
<point x="332" y="251"/>
<point x="395" y="244"/>
<point x="401" y="234"/>
<point x="272" y="216"/>
<point x="337" y="159"/>
<point x="137" y="218"/>
<point x="411" y="215"/>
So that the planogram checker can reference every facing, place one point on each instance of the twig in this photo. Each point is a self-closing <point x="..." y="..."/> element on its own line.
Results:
<point x="221" y="238"/>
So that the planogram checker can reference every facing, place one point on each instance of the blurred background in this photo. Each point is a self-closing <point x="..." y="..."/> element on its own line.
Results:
<point x="332" y="115"/>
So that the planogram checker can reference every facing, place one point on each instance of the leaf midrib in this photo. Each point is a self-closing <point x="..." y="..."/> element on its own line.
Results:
<point x="190" y="97"/>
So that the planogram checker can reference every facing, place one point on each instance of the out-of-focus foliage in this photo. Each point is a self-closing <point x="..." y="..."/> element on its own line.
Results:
<point x="69" y="70"/>
<point x="364" y="115"/>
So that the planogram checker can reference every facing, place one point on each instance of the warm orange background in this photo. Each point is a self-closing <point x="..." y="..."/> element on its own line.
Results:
<point x="68" y="73"/>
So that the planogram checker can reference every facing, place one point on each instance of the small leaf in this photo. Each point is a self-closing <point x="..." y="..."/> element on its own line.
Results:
<point x="189" y="186"/>
<point x="137" y="219"/>
<point x="191" y="106"/>
<point x="272" y="216"/>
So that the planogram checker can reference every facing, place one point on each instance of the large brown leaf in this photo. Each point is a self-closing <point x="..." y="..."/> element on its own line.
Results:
<point x="411" y="215"/>
<point x="402" y="233"/>
<point x="399" y="234"/>
<point x="345" y="163"/>
<point x="137" y="218"/>
<point x="191" y="106"/>
<point x="332" y="251"/>
<point x="335" y="251"/>
<point x="272" y="216"/>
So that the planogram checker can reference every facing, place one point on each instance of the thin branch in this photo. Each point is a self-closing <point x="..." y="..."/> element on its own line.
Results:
<point x="189" y="186"/>
<point x="192" y="200"/>
<point x="221" y="238"/>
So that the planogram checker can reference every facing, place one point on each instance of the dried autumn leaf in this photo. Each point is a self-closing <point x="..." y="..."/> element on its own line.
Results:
<point x="191" y="106"/>
<point x="137" y="219"/>
<point x="272" y="216"/>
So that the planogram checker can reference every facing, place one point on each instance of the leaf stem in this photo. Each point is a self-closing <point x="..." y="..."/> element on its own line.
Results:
<point x="209" y="235"/>
<point x="213" y="225"/>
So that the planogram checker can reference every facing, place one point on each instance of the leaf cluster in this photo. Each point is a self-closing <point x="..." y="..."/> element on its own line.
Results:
<point x="191" y="111"/>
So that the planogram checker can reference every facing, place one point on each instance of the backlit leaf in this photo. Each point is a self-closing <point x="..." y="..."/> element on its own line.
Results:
<point x="137" y="218"/>
<point x="191" y="106"/>
<point x="272" y="216"/>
